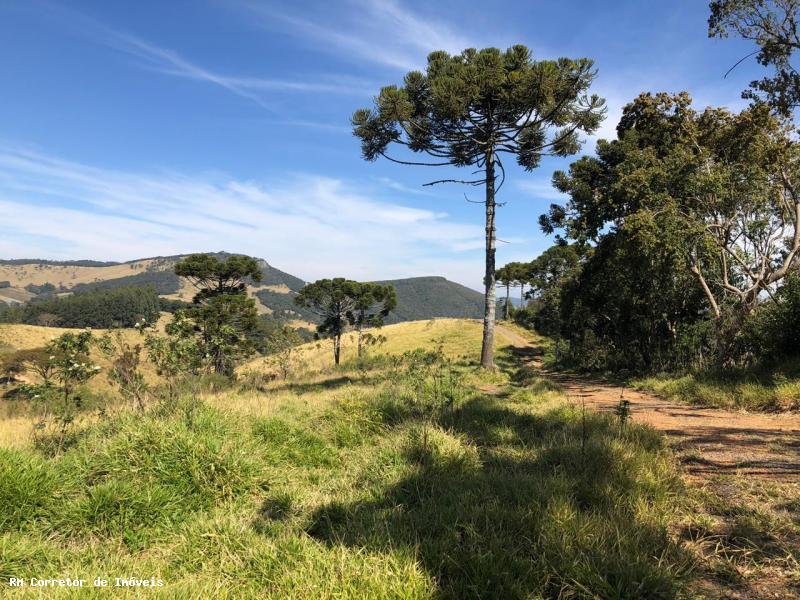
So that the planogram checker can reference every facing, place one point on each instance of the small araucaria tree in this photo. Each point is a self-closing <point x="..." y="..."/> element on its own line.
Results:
<point x="474" y="108"/>
<point x="333" y="301"/>
<point x="222" y="317"/>
<point x="373" y="303"/>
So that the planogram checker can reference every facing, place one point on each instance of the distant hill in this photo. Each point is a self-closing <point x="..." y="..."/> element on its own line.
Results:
<point x="428" y="297"/>
<point x="33" y="280"/>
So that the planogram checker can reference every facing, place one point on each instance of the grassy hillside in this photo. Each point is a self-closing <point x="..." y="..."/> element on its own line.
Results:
<point x="402" y="481"/>
<point x="458" y="338"/>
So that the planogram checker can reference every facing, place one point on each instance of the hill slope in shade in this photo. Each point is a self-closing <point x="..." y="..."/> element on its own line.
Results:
<point x="419" y="298"/>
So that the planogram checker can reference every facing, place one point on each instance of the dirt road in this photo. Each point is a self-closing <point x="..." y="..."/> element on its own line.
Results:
<point x="709" y="441"/>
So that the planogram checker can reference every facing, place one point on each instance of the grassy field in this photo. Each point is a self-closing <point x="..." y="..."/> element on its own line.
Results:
<point x="385" y="480"/>
<point x="459" y="339"/>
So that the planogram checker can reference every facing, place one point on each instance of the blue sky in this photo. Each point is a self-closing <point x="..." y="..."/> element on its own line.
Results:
<point x="133" y="129"/>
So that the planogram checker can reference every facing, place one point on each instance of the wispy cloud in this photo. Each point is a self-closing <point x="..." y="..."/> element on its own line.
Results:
<point x="309" y="225"/>
<point x="331" y="127"/>
<point x="401" y="187"/>
<point x="539" y="188"/>
<point x="167" y="61"/>
<point x="377" y="31"/>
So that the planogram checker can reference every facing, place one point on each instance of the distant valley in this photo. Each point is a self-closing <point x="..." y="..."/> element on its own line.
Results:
<point x="31" y="280"/>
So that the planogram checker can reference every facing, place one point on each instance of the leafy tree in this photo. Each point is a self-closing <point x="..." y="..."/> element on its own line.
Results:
<point x="373" y="303"/>
<point x="280" y="346"/>
<point x="773" y="26"/>
<point x="720" y="187"/>
<point x="505" y="276"/>
<point x="176" y="357"/>
<point x="222" y="318"/>
<point x="124" y="372"/>
<point x="547" y="275"/>
<point x="773" y="333"/>
<point x="632" y="305"/>
<point x="548" y="270"/>
<point x="332" y="300"/>
<point x="71" y="366"/>
<point x="33" y="360"/>
<point x="471" y="109"/>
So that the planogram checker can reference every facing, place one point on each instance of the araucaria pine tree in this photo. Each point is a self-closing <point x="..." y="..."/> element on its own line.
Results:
<point x="332" y="300"/>
<point x="373" y="303"/>
<point x="472" y="110"/>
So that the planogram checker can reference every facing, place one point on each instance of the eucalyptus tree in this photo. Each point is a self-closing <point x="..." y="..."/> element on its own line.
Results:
<point x="373" y="303"/>
<point x="773" y="26"/>
<point x="719" y="188"/>
<point x="510" y="275"/>
<point x="521" y="273"/>
<point x="472" y="110"/>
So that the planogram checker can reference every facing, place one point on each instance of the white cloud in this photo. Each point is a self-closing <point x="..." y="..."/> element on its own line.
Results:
<point x="306" y="224"/>
<point x="378" y="31"/>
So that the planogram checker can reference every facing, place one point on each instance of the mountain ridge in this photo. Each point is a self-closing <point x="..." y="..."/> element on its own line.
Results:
<point x="30" y="280"/>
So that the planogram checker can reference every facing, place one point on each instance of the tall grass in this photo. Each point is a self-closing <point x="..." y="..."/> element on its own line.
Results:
<point x="746" y="389"/>
<point x="410" y="484"/>
<point x="129" y="479"/>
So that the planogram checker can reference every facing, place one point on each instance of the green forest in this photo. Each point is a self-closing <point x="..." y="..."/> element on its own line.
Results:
<point x="99" y="307"/>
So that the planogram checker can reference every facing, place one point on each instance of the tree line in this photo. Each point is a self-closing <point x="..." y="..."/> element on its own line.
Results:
<point x="99" y="308"/>
<point x="684" y="232"/>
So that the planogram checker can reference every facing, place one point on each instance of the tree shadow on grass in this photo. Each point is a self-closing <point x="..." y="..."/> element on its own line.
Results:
<point x="505" y="504"/>
<point x="324" y="385"/>
<point x="523" y="371"/>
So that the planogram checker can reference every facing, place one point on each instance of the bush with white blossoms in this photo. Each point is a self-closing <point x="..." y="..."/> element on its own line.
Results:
<point x="70" y="366"/>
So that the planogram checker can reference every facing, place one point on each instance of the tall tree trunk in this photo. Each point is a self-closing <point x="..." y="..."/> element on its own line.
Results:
<point x="487" y="350"/>
<point x="508" y="291"/>
<point x="359" y="341"/>
<point x="337" y="346"/>
<point x="521" y="294"/>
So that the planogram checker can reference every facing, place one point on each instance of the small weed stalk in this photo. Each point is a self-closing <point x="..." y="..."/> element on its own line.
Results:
<point x="436" y="386"/>
<point x="623" y="411"/>
<point x="583" y="431"/>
